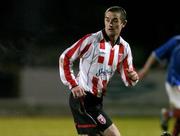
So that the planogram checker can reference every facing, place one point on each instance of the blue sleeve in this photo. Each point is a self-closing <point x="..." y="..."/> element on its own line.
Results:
<point x="165" y="50"/>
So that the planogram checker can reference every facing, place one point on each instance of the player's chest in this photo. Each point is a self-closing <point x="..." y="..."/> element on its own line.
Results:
<point x="105" y="54"/>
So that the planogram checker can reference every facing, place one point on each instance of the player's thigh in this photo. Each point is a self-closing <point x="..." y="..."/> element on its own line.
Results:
<point x="111" y="131"/>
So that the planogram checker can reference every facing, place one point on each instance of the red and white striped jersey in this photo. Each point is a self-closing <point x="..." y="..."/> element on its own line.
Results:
<point x="98" y="62"/>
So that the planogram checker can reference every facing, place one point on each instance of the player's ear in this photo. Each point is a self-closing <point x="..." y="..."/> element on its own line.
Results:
<point x="124" y="23"/>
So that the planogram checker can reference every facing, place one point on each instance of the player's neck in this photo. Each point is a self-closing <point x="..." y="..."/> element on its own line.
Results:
<point x="113" y="39"/>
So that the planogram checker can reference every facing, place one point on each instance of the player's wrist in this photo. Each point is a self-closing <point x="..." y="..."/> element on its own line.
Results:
<point x="73" y="87"/>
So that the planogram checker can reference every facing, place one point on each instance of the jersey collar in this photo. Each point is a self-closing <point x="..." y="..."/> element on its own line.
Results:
<point x="107" y="38"/>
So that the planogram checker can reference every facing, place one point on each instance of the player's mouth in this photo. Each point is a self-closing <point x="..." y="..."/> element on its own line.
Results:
<point x="110" y="29"/>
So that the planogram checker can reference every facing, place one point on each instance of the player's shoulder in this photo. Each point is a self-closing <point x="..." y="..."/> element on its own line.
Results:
<point x="176" y="37"/>
<point x="123" y="42"/>
<point x="97" y="34"/>
<point x="173" y="39"/>
<point x="94" y="35"/>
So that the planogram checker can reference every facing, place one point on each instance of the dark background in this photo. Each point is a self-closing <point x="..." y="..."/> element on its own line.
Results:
<point x="51" y="21"/>
<point x="34" y="33"/>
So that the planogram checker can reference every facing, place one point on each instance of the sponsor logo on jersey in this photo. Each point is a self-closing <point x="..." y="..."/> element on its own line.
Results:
<point x="104" y="72"/>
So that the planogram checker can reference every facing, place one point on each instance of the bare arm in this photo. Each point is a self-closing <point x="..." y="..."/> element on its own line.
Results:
<point x="147" y="66"/>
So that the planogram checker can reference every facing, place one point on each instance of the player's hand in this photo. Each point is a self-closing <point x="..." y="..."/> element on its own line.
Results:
<point x="78" y="92"/>
<point x="132" y="75"/>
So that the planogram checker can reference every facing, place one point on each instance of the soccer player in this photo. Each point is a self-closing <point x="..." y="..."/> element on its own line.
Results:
<point x="101" y="54"/>
<point x="169" y="52"/>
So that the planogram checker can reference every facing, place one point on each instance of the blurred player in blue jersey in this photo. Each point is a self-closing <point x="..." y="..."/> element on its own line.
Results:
<point x="169" y="52"/>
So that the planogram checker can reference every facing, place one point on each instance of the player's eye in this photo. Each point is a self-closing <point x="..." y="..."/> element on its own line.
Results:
<point x="115" y="20"/>
<point x="107" y="20"/>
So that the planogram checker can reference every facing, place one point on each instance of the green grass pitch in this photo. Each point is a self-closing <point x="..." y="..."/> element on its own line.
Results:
<point x="64" y="126"/>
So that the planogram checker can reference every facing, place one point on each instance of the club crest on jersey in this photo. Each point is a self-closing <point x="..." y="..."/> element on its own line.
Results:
<point x="101" y="119"/>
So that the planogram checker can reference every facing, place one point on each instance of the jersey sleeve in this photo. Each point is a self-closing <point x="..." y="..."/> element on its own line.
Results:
<point x="164" y="51"/>
<point x="67" y="58"/>
<point x="127" y="63"/>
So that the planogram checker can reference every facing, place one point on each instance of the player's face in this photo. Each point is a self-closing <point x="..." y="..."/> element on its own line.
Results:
<point x="113" y="23"/>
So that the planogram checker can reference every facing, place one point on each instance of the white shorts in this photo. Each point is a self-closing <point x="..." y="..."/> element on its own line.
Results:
<point x="174" y="95"/>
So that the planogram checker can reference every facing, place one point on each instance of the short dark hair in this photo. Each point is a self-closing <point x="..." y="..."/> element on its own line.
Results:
<point x="118" y="9"/>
